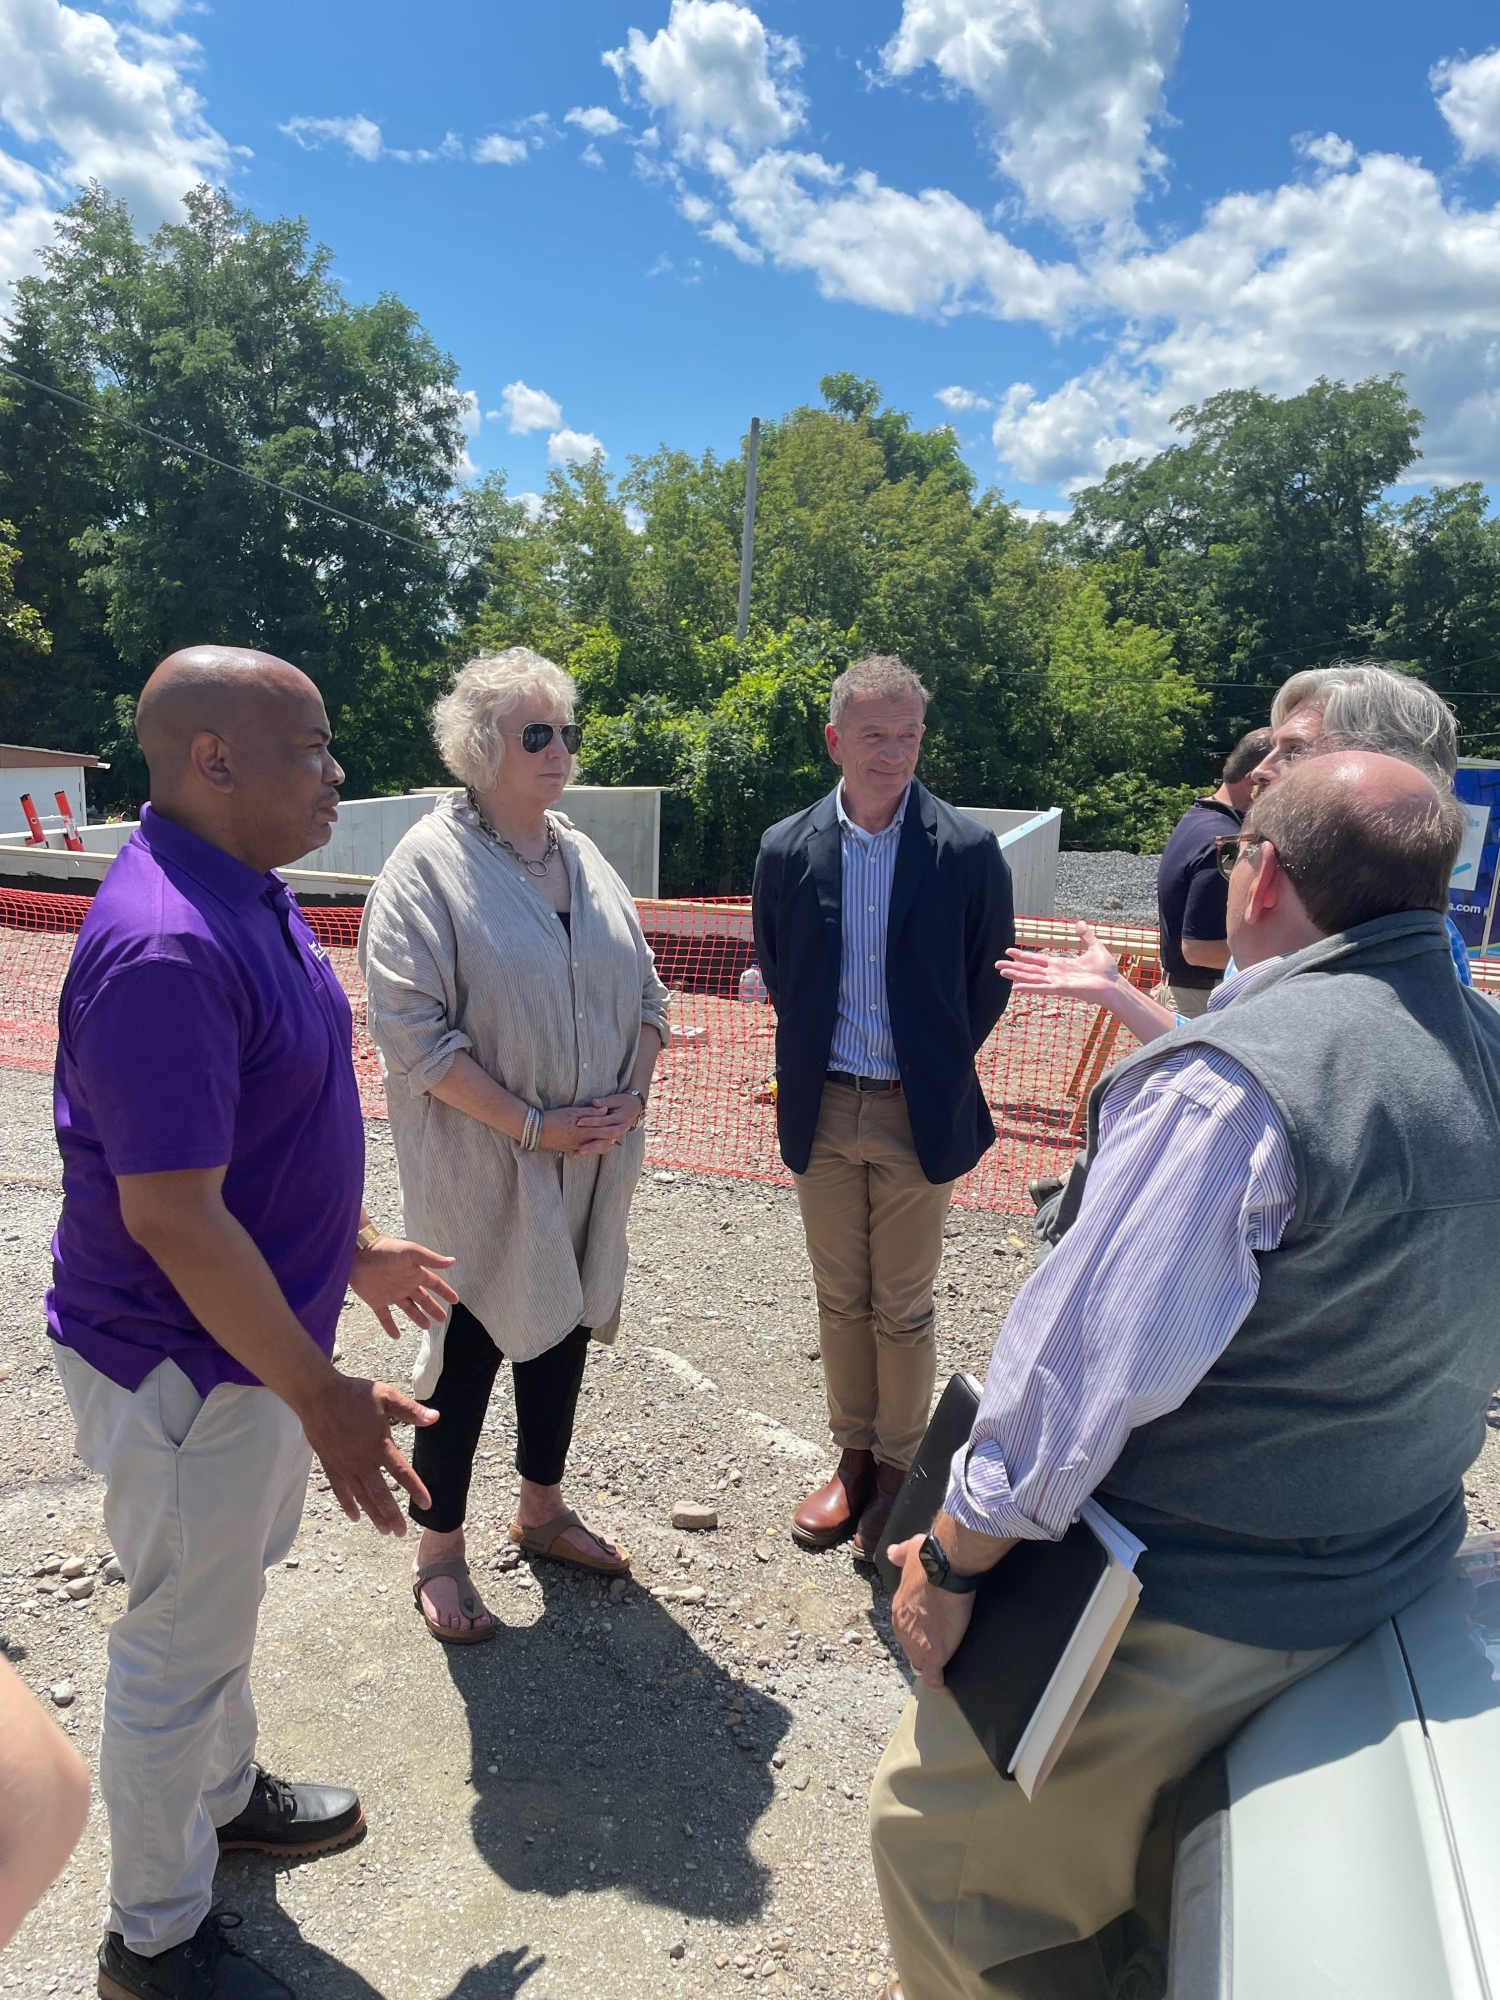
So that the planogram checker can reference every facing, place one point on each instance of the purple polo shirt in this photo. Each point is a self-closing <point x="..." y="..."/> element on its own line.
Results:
<point x="201" y="1025"/>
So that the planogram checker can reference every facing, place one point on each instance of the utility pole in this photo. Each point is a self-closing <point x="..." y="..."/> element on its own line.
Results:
<point x="747" y="543"/>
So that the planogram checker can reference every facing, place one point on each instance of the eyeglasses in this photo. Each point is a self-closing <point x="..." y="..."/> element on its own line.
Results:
<point x="1228" y="847"/>
<point x="537" y="735"/>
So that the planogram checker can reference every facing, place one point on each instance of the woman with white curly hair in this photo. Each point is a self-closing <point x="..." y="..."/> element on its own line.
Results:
<point x="518" y="1016"/>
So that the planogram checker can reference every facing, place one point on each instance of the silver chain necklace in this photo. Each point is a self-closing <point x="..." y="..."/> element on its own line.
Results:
<point x="536" y="869"/>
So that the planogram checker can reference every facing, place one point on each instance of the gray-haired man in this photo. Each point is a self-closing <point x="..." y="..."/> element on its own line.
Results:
<point x="879" y="915"/>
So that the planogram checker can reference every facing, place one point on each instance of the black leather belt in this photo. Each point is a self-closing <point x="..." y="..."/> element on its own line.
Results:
<point x="863" y="1082"/>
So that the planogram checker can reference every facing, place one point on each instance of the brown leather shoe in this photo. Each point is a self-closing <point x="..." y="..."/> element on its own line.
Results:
<point x="827" y="1517"/>
<point x="889" y="1480"/>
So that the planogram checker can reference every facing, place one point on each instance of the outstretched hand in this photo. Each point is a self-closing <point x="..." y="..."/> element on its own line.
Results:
<point x="350" y="1430"/>
<point x="1086" y="974"/>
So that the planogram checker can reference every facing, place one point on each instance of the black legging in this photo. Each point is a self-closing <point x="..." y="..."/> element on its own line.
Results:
<point x="546" y="1399"/>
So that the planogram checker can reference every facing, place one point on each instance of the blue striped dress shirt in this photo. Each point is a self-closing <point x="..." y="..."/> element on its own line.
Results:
<point x="1121" y="1323"/>
<point x="862" y="1040"/>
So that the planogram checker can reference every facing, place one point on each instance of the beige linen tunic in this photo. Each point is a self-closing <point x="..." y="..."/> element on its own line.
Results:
<point x="461" y="951"/>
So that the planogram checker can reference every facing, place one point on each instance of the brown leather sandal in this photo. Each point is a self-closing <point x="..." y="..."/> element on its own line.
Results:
<point x="470" y="1603"/>
<point x="547" y="1541"/>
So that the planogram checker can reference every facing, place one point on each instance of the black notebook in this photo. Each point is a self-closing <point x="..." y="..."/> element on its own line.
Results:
<point x="1046" y="1619"/>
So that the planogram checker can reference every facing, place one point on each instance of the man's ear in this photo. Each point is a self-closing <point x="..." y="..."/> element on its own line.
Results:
<point x="831" y="738"/>
<point x="1267" y="888"/>
<point x="208" y="759"/>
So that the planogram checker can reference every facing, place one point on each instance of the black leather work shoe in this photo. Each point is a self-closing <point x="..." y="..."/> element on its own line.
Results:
<point x="205" y="1967"/>
<point x="293" y="1820"/>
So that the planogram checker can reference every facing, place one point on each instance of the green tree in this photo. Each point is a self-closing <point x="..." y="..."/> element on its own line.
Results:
<point x="228" y="334"/>
<point x="54" y="487"/>
<point x="1264" y="532"/>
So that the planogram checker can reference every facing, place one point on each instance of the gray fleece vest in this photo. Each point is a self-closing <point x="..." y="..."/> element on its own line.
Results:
<point x="1312" y="1483"/>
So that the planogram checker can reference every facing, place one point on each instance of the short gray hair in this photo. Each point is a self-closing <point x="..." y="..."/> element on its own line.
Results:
<point x="883" y="676"/>
<point x="1367" y="707"/>
<point x="468" y="723"/>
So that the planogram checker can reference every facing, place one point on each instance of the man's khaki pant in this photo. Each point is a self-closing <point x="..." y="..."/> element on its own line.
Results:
<point x="987" y="1894"/>
<point x="874" y="1226"/>
<point x="201" y="1496"/>
<point x="1188" y="1001"/>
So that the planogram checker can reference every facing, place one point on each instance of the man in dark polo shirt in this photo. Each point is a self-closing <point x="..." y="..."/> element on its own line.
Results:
<point x="1192" y="896"/>
<point x="213" y="1172"/>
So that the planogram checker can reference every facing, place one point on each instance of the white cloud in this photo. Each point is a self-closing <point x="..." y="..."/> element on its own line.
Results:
<point x="533" y="503"/>
<point x="876" y="246"/>
<point x="498" y="151"/>
<point x="954" y="398"/>
<point x="360" y="134"/>
<point x="1364" y="269"/>
<point x="1072" y="88"/>
<point x="595" y="120"/>
<point x="716" y="72"/>
<point x="1468" y="95"/>
<point x="529" y="409"/>
<point x="1357" y="265"/>
<point x="101" y="100"/>
<point x="573" y="448"/>
<point x="591" y="156"/>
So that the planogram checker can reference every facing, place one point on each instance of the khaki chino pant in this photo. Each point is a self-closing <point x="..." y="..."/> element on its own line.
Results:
<point x="874" y="1226"/>
<point x="201" y="1495"/>
<point x="987" y="1894"/>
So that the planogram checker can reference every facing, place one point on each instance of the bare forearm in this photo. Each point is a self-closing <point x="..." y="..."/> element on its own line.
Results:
<point x="1146" y="1018"/>
<point x="967" y="1549"/>
<point x="227" y="1285"/>
<point x="472" y="1090"/>
<point x="645" y="1060"/>
<point x="1211" y="953"/>
<point x="44" y="1801"/>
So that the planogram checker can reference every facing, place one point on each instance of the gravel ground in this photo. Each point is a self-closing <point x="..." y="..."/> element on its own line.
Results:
<point x="1113" y="887"/>
<point x="607" y="1781"/>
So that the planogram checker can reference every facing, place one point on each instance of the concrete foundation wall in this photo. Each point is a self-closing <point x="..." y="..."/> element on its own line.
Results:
<point x="623" y="821"/>
<point x="1029" y="842"/>
<point x="42" y="782"/>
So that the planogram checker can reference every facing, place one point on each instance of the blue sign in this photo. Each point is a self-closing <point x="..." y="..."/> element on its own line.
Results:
<point x="1472" y="901"/>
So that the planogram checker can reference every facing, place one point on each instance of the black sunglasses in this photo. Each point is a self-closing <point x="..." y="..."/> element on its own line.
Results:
<point x="537" y="735"/>
<point x="1228" y="847"/>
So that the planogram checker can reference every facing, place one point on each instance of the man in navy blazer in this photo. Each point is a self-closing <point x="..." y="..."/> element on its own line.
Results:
<point x="880" y="914"/>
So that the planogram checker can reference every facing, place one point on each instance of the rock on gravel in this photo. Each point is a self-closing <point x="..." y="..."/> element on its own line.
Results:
<point x="1107" y="888"/>
<point x="695" y="1520"/>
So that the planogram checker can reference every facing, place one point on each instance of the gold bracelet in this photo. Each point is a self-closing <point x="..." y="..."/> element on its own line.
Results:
<point x="368" y="1237"/>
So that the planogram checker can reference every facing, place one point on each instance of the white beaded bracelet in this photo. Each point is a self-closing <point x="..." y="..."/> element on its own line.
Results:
<point x="531" y="1131"/>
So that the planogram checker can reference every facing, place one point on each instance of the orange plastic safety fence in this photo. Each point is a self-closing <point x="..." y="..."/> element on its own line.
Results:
<point x="712" y="1108"/>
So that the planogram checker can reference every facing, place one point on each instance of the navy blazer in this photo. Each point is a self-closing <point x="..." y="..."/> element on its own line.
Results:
<point x="950" y="919"/>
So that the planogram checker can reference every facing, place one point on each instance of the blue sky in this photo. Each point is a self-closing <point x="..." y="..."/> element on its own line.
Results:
<point x="1051" y="222"/>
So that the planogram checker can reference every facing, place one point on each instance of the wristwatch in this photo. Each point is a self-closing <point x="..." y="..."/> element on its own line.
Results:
<point x="631" y="1091"/>
<point x="940" y="1572"/>
<point x="367" y="1236"/>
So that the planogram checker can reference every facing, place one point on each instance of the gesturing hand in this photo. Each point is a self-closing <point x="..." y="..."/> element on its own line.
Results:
<point x="929" y="1622"/>
<point x="1086" y="974"/>
<point x="395" y="1273"/>
<point x="350" y="1430"/>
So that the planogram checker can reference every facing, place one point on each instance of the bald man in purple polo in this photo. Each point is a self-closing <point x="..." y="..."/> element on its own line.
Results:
<point x="213" y="1173"/>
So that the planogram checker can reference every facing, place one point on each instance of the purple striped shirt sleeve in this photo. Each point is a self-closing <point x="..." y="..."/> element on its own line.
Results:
<point x="1193" y="1175"/>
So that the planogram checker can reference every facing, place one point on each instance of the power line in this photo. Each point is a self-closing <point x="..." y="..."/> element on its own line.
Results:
<point x="193" y="451"/>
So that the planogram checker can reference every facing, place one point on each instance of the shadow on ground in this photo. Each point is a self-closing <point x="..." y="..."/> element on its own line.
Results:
<point x="270" y="1934"/>
<point x="613" y="1760"/>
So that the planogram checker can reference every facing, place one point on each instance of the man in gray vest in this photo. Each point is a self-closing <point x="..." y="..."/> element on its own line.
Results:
<point x="1268" y="1342"/>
